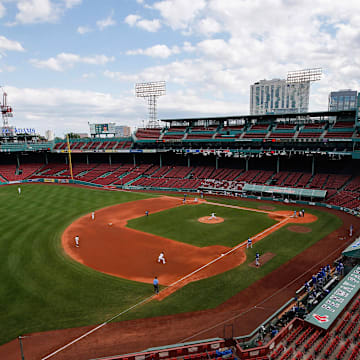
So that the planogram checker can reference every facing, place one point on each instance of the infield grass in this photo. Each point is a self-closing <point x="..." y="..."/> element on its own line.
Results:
<point x="42" y="289"/>
<point x="182" y="224"/>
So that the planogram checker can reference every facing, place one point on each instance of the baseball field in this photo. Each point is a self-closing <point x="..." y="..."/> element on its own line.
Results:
<point x="43" y="288"/>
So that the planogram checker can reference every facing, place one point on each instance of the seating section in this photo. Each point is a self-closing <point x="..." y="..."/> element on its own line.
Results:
<point x="8" y="172"/>
<point x="147" y="133"/>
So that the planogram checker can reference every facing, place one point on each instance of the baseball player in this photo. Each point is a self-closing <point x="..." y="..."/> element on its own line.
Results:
<point x="77" y="241"/>
<point x="161" y="258"/>
<point x="147" y="213"/>
<point x="19" y="190"/>
<point x="213" y="216"/>
<point x="294" y="213"/>
<point x="351" y="230"/>
<point x="249" y="243"/>
<point x="156" y="285"/>
<point x="93" y="215"/>
<point x="257" y="259"/>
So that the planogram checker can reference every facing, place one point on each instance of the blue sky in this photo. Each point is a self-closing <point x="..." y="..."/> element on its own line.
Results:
<point x="66" y="62"/>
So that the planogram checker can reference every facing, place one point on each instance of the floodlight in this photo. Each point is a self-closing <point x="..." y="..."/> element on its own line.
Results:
<point x="151" y="91"/>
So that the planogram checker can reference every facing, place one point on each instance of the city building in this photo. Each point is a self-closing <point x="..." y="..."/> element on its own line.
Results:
<point x="342" y="100"/>
<point x="277" y="96"/>
<point x="49" y="135"/>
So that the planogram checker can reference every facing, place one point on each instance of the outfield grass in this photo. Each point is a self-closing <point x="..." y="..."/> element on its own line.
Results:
<point x="40" y="287"/>
<point x="43" y="289"/>
<point x="182" y="224"/>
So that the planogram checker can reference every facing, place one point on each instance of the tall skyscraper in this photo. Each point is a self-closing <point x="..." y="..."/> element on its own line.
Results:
<point x="342" y="100"/>
<point x="277" y="96"/>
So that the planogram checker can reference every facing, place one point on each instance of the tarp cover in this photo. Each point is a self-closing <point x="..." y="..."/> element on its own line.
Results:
<point x="353" y="250"/>
<point x="285" y="191"/>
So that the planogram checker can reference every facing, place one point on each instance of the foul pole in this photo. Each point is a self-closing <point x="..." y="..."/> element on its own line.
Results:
<point x="69" y="153"/>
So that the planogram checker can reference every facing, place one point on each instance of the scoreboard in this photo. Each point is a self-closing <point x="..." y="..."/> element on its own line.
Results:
<point x="98" y="129"/>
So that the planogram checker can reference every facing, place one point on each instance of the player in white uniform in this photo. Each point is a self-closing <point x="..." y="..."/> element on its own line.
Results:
<point x="249" y="243"/>
<point x="161" y="258"/>
<point x="93" y="215"/>
<point x="77" y="241"/>
<point x="213" y="216"/>
<point x="19" y="190"/>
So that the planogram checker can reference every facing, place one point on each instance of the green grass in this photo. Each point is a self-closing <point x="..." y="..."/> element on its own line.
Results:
<point x="43" y="289"/>
<point x="182" y="224"/>
<point x="200" y="294"/>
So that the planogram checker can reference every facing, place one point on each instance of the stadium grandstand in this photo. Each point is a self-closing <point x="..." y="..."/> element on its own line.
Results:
<point x="310" y="156"/>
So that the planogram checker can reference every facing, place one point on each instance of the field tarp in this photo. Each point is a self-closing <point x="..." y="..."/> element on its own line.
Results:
<point x="285" y="191"/>
<point x="353" y="250"/>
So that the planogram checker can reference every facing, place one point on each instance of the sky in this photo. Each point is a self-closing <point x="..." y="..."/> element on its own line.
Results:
<point x="65" y="63"/>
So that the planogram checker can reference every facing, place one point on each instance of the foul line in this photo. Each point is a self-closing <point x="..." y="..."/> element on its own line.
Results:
<point x="174" y="283"/>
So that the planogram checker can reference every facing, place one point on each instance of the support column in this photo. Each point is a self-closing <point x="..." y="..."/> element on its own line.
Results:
<point x="313" y="166"/>
<point x="189" y="161"/>
<point x="46" y="159"/>
<point x="110" y="163"/>
<point x="278" y="164"/>
<point x="134" y="159"/>
<point x="87" y="159"/>
<point x="160" y="160"/>
<point x="247" y="164"/>
<point x="18" y="161"/>
<point x="66" y="160"/>
<point x="216" y="162"/>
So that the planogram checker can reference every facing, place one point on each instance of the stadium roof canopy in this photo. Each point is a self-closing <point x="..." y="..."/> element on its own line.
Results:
<point x="285" y="191"/>
<point x="353" y="250"/>
<point x="320" y="115"/>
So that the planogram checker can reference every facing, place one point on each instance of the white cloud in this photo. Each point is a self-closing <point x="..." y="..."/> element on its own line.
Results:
<point x="83" y="30"/>
<point x="2" y="10"/>
<point x="67" y="60"/>
<point x="71" y="3"/>
<point x="10" y="45"/>
<point x="39" y="11"/>
<point x="179" y="13"/>
<point x="208" y="26"/>
<point x="160" y="51"/>
<point x="104" y="23"/>
<point x="132" y="19"/>
<point x="148" y="25"/>
<point x="35" y="11"/>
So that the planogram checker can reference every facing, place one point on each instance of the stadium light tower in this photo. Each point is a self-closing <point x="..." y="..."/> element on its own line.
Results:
<point x="301" y="79"/>
<point x="151" y="91"/>
<point x="6" y="111"/>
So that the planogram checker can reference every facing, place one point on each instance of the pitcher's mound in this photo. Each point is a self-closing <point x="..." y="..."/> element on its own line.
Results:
<point x="207" y="220"/>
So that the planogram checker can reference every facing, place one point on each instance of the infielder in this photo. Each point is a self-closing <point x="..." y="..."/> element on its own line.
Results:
<point x="249" y="243"/>
<point x="161" y="258"/>
<point x="77" y="240"/>
<point x="257" y="259"/>
<point x="93" y="215"/>
<point x="156" y="285"/>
